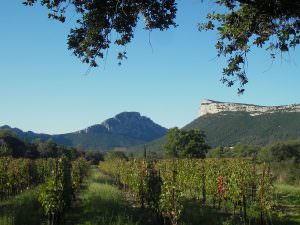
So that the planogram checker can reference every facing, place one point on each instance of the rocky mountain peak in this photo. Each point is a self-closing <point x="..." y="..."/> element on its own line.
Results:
<point x="123" y="130"/>
<point x="212" y="107"/>
<point x="131" y="124"/>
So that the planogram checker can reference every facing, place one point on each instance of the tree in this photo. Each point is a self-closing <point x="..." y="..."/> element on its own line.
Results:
<point x="74" y="153"/>
<point x="217" y="152"/>
<point x="173" y="142"/>
<point x="31" y="151"/>
<point x="4" y="149"/>
<point x="48" y="149"/>
<point x="285" y="151"/>
<point x="273" y="24"/>
<point x="241" y="25"/>
<point x="97" y="20"/>
<point x="115" y="155"/>
<point x="186" y="143"/>
<point x="10" y="145"/>
<point x="94" y="157"/>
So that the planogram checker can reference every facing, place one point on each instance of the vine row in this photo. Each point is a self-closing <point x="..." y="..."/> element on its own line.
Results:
<point x="233" y="185"/>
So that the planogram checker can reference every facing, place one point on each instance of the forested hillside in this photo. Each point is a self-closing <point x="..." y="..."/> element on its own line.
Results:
<point x="231" y="128"/>
<point x="124" y="130"/>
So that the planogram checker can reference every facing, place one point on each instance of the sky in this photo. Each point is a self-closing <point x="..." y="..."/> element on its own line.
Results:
<point x="44" y="88"/>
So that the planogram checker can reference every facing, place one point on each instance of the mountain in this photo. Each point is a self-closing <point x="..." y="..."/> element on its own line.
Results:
<point x="230" y="128"/>
<point x="124" y="130"/>
<point x="227" y="124"/>
<point x="28" y="135"/>
<point x="214" y="107"/>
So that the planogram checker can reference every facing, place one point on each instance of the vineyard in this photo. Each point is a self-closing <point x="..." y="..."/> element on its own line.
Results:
<point x="237" y="187"/>
<point x="59" y="180"/>
<point x="143" y="191"/>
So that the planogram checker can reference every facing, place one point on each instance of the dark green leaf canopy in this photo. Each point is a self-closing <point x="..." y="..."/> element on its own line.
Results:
<point x="185" y="144"/>
<point x="272" y="24"/>
<point x="98" y="20"/>
<point x="241" y="25"/>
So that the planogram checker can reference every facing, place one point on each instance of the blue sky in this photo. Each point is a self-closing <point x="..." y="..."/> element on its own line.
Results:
<point x="45" y="88"/>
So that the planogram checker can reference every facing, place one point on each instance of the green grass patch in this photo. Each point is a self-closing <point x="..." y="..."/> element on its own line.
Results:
<point x="23" y="209"/>
<point x="102" y="203"/>
<point x="287" y="204"/>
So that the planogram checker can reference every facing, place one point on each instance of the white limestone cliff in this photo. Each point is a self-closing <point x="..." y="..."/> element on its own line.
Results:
<point x="212" y="107"/>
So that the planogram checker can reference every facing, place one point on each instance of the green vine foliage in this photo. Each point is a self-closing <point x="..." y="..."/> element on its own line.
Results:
<point x="165" y="184"/>
<point x="56" y="192"/>
<point x="171" y="195"/>
<point x="153" y="186"/>
<point x="60" y="179"/>
<point x="78" y="172"/>
<point x="51" y="199"/>
<point x="265" y="193"/>
<point x="59" y="189"/>
<point x="244" y="24"/>
<point x="16" y="175"/>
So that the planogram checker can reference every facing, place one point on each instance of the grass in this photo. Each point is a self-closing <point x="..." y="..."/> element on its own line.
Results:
<point x="22" y="209"/>
<point x="287" y="194"/>
<point x="102" y="203"/>
<point x="287" y="204"/>
<point x="286" y="210"/>
<point x="195" y="214"/>
<point x="98" y="203"/>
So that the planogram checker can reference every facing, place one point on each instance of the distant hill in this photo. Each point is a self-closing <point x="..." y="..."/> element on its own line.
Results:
<point x="227" y="124"/>
<point x="28" y="135"/>
<point x="124" y="130"/>
<point x="230" y="128"/>
<point x="155" y="146"/>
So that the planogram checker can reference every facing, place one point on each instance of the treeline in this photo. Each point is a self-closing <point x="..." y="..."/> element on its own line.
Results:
<point x="12" y="146"/>
<point x="284" y="157"/>
<point x="277" y="152"/>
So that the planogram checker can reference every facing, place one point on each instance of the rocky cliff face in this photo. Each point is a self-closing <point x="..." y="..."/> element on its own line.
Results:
<point x="130" y="124"/>
<point x="212" y="107"/>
